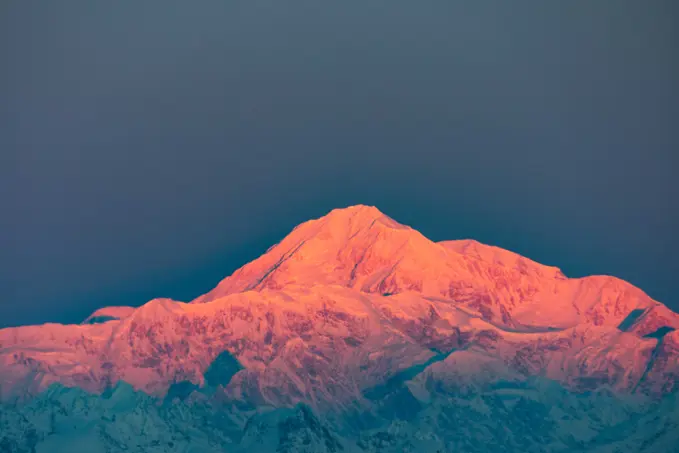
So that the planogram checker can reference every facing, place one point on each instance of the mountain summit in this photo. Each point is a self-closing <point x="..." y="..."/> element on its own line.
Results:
<point x="350" y="247"/>
<point x="361" y="248"/>
<point x="365" y="321"/>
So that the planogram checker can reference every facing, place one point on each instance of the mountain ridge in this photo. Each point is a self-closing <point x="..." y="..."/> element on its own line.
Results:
<point x="366" y="323"/>
<point x="359" y="247"/>
<point x="374" y="272"/>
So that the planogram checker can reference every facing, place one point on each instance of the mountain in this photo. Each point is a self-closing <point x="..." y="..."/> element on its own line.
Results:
<point x="535" y="417"/>
<point x="357" y="333"/>
<point x="362" y="249"/>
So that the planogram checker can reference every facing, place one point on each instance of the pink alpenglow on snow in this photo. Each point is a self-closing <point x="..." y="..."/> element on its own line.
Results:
<point x="345" y="302"/>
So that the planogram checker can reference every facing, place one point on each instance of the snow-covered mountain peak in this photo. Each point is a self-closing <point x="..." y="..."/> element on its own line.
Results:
<point x="357" y="317"/>
<point x="363" y="249"/>
<point x="344" y="247"/>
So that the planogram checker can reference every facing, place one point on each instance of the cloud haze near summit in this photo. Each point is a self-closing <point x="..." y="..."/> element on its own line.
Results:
<point x="150" y="149"/>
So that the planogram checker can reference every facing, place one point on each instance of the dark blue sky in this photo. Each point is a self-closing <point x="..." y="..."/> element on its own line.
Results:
<point x="150" y="149"/>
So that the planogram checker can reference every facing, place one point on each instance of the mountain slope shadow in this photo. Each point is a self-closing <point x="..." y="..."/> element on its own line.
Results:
<point x="631" y="318"/>
<point x="219" y="373"/>
<point x="222" y="369"/>
<point x="658" y="334"/>
<point x="394" y="397"/>
<point x="397" y="380"/>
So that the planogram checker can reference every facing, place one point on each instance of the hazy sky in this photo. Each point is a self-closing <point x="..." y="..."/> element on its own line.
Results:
<point x="150" y="149"/>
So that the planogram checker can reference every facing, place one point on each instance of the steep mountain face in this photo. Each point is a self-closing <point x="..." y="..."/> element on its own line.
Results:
<point x="363" y="249"/>
<point x="339" y="334"/>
